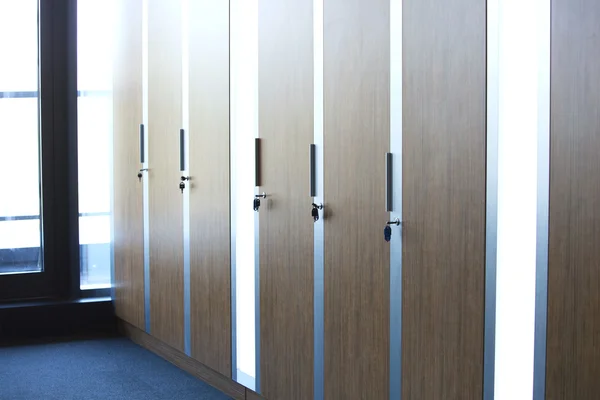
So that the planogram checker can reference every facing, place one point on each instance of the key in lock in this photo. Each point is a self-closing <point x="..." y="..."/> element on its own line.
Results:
<point x="387" y="233"/>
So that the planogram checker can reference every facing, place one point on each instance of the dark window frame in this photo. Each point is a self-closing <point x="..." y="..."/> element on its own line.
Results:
<point x="58" y="150"/>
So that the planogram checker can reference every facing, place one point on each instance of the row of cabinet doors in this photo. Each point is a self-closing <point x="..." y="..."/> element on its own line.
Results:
<point x="443" y="186"/>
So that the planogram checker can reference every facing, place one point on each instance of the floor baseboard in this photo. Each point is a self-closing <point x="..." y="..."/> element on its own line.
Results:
<point x="39" y="320"/>
<point x="188" y="364"/>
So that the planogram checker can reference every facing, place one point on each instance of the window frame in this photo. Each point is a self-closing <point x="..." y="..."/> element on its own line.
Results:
<point x="60" y="278"/>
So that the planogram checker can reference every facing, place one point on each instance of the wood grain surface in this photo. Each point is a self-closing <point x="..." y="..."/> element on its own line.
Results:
<point x="286" y="227"/>
<point x="444" y="190"/>
<point x="356" y="138"/>
<point x="127" y="117"/>
<point x="250" y="395"/>
<point x="573" y="349"/>
<point x="166" y="207"/>
<point x="210" y="268"/>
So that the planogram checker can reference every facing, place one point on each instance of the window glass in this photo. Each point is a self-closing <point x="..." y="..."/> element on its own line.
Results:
<point x="20" y="228"/>
<point x="94" y="84"/>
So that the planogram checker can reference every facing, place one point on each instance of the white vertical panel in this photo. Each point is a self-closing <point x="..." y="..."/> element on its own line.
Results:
<point x="185" y="125"/>
<point x="244" y="128"/>
<point x="543" y="197"/>
<point x="146" y="188"/>
<point x="519" y="103"/>
<point x="319" y="232"/>
<point x="491" y="218"/>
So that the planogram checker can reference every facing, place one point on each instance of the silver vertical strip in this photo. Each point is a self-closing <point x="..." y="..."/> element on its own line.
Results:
<point x="319" y="228"/>
<point x="112" y="208"/>
<point x="396" y="205"/>
<point x="543" y="194"/>
<point x="232" y="215"/>
<point x="233" y="251"/>
<point x="185" y="166"/>
<point x="491" y="229"/>
<point x="146" y="189"/>
<point x="186" y="271"/>
<point x="257" y="384"/>
<point x="257" y="300"/>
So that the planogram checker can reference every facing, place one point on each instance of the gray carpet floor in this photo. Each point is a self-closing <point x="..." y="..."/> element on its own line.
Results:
<point x="98" y="369"/>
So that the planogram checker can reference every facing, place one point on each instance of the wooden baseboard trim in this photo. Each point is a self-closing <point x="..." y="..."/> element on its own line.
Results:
<point x="180" y="360"/>
<point x="250" y="395"/>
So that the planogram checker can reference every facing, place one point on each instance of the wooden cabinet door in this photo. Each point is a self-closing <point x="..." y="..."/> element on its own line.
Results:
<point x="356" y="136"/>
<point x="210" y="269"/>
<point x="573" y="353"/>
<point x="444" y="191"/>
<point x="128" y="207"/>
<point x="165" y="198"/>
<point x="285" y="225"/>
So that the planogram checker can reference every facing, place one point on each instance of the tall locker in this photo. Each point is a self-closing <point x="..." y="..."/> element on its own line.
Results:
<point x="128" y="219"/>
<point x="165" y="198"/>
<point x="285" y="222"/>
<point x="210" y="273"/>
<point x="573" y="324"/>
<point x="444" y="192"/>
<point x="356" y="135"/>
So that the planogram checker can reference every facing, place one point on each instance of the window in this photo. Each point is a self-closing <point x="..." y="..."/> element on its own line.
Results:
<point x="94" y="83"/>
<point x="39" y="251"/>
<point x="20" y="225"/>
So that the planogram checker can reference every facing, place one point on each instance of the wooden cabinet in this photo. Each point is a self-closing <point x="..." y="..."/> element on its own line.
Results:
<point x="165" y="199"/>
<point x="356" y="134"/>
<point x="573" y="327"/>
<point x="443" y="186"/>
<point x="286" y="227"/>
<point x="127" y="117"/>
<point x="444" y="192"/>
<point x="209" y="241"/>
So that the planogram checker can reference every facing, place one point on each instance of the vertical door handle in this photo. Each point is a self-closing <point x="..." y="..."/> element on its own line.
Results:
<point x="257" y="151"/>
<point x="389" y="198"/>
<point x="182" y="159"/>
<point x="142" y="145"/>
<point x="312" y="154"/>
<point x="257" y="174"/>
<point x="181" y="150"/>
<point x="142" y="153"/>
<point x="312" y="170"/>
